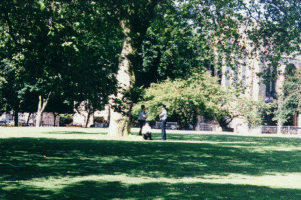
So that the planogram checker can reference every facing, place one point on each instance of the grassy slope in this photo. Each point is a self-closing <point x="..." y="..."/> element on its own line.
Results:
<point x="41" y="164"/>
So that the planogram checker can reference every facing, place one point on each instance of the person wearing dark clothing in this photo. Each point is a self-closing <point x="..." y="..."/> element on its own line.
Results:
<point x="142" y="118"/>
<point x="163" y="117"/>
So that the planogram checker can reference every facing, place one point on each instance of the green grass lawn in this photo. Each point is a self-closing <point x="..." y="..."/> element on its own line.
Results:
<point x="85" y="164"/>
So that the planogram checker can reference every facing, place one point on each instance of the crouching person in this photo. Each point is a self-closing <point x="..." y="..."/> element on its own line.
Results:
<point x="147" y="131"/>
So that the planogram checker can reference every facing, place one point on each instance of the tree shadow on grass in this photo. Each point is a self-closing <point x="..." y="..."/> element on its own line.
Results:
<point x="88" y="190"/>
<point x="26" y="193"/>
<point x="115" y="190"/>
<point x="28" y="159"/>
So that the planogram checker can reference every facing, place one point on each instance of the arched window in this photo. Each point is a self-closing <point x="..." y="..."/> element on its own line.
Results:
<point x="270" y="91"/>
<point x="290" y="69"/>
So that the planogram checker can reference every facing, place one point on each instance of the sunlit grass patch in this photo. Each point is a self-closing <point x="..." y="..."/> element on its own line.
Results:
<point x="287" y="180"/>
<point x="216" y="187"/>
<point x="51" y="130"/>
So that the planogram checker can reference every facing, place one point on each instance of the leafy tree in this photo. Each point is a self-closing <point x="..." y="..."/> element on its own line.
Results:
<point x="184" y="98"/>
<point x="29" y="104"/>
<point x="172" y="36"/>
<point x="275" y="33"/>
<point x="236" y="105"/>
<point x="12" y="87"/>
<point x="66" y="118"/>
<point x="277" y="27"/>
<point x="289" y="103"/>
<point x="59" y="105"/>
<point x="200" y="94"/>
<point x="65" y="45"/>
<point x="30" y="25"/>
<point x="228" y="32"/>
<point x="134" y="18"/>
<point x="192" y="35"/>
<point x="169" y="49"/>
<point x="163" y="26"/>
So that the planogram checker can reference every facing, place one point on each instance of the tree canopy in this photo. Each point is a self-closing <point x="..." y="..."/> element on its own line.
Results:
<point x="200" y="94"/>
<point x="288" y="103"/>
<point x="93" y="50"/>
<point x="62" y="48"/>
<point x="184" y="98"/>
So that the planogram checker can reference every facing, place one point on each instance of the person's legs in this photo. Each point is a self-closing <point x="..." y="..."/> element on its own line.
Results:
<point x="147" y="135"/>
<point x="141" y="124"/>
<point x="163" y="126"/>
<point x="150" y="136"/>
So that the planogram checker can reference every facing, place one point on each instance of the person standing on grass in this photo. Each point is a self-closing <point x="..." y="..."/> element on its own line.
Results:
<point x="163" y="117"/>
<point x="142" y="118"/>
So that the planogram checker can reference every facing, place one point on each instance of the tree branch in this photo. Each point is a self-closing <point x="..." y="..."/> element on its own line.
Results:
<point x="10" y="28"/>
<point x="45" y="101"/>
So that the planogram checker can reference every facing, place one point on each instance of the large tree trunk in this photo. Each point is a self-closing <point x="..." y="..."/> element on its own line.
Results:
<point x="39" y="118"/>
<point x="199" y="121"/>
<point x="120" y="121"/>
<point x="279" y="121"/>
<point x="54" y="118"/>
<point x="41" y="107"/>
<point x="134" y="21"/>
<point x="16" y="113"/>
<point x="28" y="118"/>
<point x="279" y="126"/>
<point x="89" y="113"/>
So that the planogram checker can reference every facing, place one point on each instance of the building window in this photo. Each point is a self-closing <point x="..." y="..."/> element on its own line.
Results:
<point x="270" y="91"/>
<point x="290" y="69"/>
<point x="227" y="76"/>
<point x="244" y="71"/>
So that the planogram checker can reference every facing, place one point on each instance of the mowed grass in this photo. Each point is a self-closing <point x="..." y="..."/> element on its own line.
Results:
<point x="66" y="163"/>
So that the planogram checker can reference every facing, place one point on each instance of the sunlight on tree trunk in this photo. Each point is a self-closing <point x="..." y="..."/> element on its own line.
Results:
<point x="279" y="125"/>
<point x="28" y="119"/>
<point x="89" y="113"/>
<point x="41" y="107"/>
<point x="120" y="121"/>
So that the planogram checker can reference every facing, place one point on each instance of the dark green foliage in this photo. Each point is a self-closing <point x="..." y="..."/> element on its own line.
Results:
<point x="186" y="37"/>
<point x="185" y="98"/>
<point x="66" y="119"/>
<point x="288" y="103"/>
<point x="70" y="49"/>
<point x="66" y="49"/>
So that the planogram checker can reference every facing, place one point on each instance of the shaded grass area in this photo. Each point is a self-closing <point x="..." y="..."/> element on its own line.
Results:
<point x="41" y="168"/>
<point x="115" y="190"/>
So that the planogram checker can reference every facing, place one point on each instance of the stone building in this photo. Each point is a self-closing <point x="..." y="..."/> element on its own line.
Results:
<point x="245" y="70"/>
<point x="247" y="74"/>
<point x="29" y="119"/>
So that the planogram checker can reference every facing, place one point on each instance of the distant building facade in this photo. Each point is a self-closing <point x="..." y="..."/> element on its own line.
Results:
<point x="247" y="74"/>
<point x="29" y="119"/>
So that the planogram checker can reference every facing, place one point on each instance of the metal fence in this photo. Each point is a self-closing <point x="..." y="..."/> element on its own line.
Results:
<point x="169" y="125"/>
<point x="206" y="127"/>
<point x="285" y="130"/>
<point x="195" y="126"/>
<point x="289" y="130"/>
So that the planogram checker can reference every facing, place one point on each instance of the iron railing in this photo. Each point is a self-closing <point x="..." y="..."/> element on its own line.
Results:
<point x="289" y="130"/>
